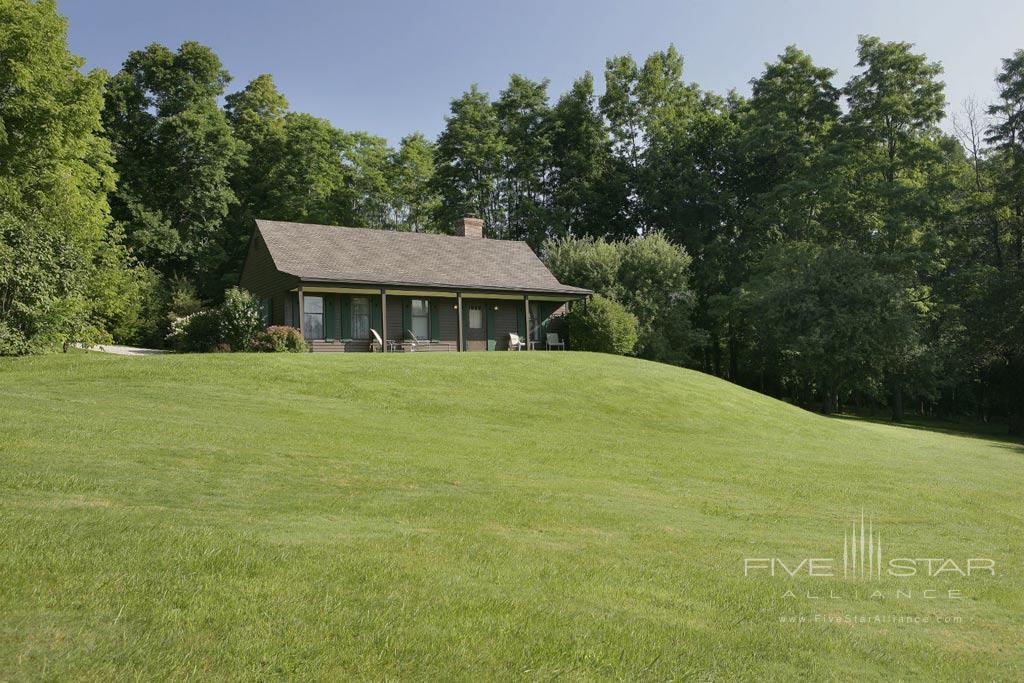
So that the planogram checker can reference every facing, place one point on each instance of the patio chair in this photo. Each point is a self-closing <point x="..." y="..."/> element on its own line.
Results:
<point x="553" y="342"/>
<point x="423" y="344"/>
<point x="515" y="342"/>
<point x="378" y="344"/>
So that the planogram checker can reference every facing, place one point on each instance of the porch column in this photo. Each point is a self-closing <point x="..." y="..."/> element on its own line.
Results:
<point x="302" y="314"/>
<point x="458" y="305"/>
<point x="384" y="319"/>
<point x="526" y="309"/>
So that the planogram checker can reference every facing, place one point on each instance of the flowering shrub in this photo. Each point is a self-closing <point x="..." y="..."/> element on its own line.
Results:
<point x="198" y="332"/>
<point x="240" y="319"/>
<point x="278" y="338"/>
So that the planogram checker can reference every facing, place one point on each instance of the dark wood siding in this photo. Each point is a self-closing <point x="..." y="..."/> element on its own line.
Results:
<point x="260" y="276"/>
<point x="505" y="322"/>
<point x="395" y="330"/>
<point x="448" y="322"/>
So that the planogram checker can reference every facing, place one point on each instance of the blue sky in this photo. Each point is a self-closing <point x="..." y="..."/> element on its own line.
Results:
<point x="392" y="67"/>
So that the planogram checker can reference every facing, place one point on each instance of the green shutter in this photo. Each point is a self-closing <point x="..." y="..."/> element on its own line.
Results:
<point x="491" y="343"/>
<point x="406" y="317"/>
<point x="329" y="329"/>
<point x="434" y="306"/>
<point x="295" y="311"/>
<point x="465" y="327"/>
<point x="375" y="317"/>
<point x="346" y="317"/>
<point x="542" y="311"/>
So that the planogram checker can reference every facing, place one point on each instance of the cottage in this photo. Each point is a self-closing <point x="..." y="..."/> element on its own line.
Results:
<point x="355" y="289"/>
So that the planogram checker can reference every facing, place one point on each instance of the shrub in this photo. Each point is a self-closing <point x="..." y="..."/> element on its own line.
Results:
<point x="240" y="319"/>
<point x="602" y="325"/>
<point x="199" y="332"/>
<point x="279" y="338"/>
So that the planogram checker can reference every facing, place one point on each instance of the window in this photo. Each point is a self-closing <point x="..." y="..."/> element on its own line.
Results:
<point x="420" y="318"/>
<point x="313" y="306"/>
<point x="360" y="317"/>
<point x="476" y="317"/>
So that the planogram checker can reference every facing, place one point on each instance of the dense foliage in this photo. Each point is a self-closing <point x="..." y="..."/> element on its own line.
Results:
<point x="60" y="261"/>
<point x="235" y="325"/>
<point x="602" y="325"/>
<point x="825" y="243"/>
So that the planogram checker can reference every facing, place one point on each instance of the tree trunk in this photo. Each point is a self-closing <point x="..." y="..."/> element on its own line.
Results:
<point x="716" y="354"/>
<point x="897" y="403"/>
<point x="734" y="358"/>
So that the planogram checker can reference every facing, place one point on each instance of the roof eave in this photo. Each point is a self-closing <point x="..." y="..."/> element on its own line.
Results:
<point x="568" y="291"/>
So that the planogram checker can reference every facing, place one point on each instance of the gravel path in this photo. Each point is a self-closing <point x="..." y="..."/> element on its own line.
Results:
<point x="127" y="350"/>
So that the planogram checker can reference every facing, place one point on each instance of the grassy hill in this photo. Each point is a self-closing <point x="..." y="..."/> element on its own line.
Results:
<point x="451" y="515"/>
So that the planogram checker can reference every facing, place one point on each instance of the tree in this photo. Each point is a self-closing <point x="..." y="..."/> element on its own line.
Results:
<point x="785" y="133"/>
<point x="257" y="118"/>
<point x="468" y="162"/>
<point x="55" y="171"/>
<point x="829" y="318"/>
<point x="414" y="197"/>
<point x="648" y="275"/>
<point x="1007" y="135"/>
<point x="524" y="121"/>
<point x="892" y="171"/>
<point x="889" y="136"/>
<point x="580" y="165"/>
<point x="306" y="179"/>
<point x="175" y="153"/>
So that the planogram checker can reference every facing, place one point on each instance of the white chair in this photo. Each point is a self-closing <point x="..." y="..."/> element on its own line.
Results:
<point x="424" y="344"/>
<point x="515" y="343"/>
<point x="378" y="344"/>
<point x="553" y="342"/>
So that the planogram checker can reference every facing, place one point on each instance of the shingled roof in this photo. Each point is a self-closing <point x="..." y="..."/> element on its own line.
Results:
<point x="328" y="253"/>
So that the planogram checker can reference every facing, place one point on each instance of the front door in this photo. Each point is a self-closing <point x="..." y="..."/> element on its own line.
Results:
<point x="476" y="327"/>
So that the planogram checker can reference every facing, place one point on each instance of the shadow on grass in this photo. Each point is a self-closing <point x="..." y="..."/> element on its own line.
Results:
<point x="974" y="430"/>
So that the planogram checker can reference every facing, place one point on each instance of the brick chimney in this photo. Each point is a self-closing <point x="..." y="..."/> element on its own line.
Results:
<point x="469" y="226"/>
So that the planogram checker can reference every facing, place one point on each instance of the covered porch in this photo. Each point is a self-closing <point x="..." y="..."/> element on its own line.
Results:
<point x="337" y="317"/>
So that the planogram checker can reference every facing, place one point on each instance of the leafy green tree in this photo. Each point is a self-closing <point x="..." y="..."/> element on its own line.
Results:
<point x="785" y="133"/>
<point x="175" y="153"/>
<point x="892" y="173"/>
<point x="257" y="117"/>
<point x="524" y="121"/>
<point x="889" y="136"/>
<point x="55" y="172"/>
<point x="644" y="106"/>
<point x="123" y="297"/>
<point x="580" y="165"/>
<point x="1006" y="134"/>
<point x="368" y="164"/>
<point x="414" y="201"/>
<point x="648" y="275"/>
<point x="589" y="262"/>
<point x="307" y="180"/>
<point x="830" y="318"/>
<point x="468" y="162"/>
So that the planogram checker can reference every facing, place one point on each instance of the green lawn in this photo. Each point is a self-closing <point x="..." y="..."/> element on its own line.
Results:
<point x="427" y="516"/>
